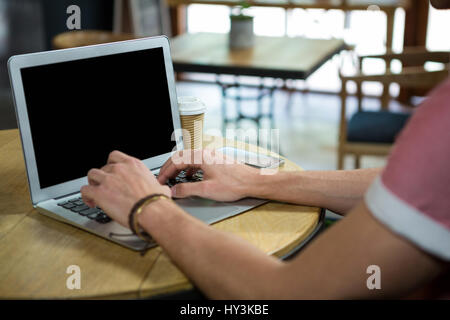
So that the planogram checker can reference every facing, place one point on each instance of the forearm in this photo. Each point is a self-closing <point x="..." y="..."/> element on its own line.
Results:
<point x="338" y="190"/>
<point x="221" y="265"/>
<point x="334" y="266"/>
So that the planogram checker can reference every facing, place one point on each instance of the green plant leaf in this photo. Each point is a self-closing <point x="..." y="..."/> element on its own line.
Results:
<point x="244" y="4"/>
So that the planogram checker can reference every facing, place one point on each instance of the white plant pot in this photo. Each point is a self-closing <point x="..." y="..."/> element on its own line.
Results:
<point x="241" y="33"/>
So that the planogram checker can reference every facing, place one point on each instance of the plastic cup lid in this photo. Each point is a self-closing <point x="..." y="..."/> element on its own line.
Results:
<point x="190" y="106"/>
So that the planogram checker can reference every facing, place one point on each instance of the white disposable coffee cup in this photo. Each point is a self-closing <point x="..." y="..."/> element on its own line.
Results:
<point x="192" y="113"/>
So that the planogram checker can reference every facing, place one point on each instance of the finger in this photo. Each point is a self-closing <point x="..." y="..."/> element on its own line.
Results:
<point x="184" y="190"/>
<point x="170" y="172"/>
<point x="162" y="169"/>
<point x="177" y="154"/>
<point x="173" y="170"/>
<point x="89" y="194"/>
<point x="163" y="176"/>
<point x="117" y="156"/>
<point x="178" y="162"/>
<point x="92" y="182"/>
<point x="109" y="168"/>
<point x="96" y="176"/>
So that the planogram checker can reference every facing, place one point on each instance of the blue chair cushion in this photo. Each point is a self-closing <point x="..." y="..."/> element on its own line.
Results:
<point x="375" y="126"/>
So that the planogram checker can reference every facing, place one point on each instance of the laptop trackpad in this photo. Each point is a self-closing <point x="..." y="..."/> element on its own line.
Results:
<point x="211" y="211"/>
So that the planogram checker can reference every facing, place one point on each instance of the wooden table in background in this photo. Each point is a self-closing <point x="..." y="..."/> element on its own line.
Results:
<point x="287" y="58"/>
<point x="274" y="57"/>
<point x="387" y="6"/>
<point x="35" y="250"/>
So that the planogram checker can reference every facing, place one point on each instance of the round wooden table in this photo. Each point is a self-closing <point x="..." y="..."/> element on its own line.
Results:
<point x="35" y="251"/>
<point x="73" y="39"/>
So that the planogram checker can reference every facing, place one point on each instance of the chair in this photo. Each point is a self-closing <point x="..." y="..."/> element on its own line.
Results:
<point x="373" y="132"/>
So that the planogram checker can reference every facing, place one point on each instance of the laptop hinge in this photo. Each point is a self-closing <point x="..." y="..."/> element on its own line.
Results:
<point x="69" y="194"/>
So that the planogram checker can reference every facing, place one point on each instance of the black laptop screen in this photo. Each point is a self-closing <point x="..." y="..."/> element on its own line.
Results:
<point x="80" y="111"/>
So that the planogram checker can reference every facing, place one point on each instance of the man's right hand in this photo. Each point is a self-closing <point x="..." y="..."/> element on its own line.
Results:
<point x="223" y="178"/>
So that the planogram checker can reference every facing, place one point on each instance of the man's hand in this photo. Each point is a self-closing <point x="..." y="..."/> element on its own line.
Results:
<point x="223" y="178"/>
<point x="119" y="185"/>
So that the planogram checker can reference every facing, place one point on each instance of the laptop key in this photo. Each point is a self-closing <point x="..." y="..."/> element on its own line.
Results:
<point x="102" y="218"/>
<point x="80" y="208"/>
<point x="198" y="175"/>
<point x="68" y="205"/>
<point x="89" y="211"/>
<point x="183" y="178"/>
<point x="62" y="203"/>
<point x="94" y="215"/>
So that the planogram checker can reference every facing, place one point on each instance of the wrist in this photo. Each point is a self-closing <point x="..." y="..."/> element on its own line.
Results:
<point x="258" y="185"/>
<point x="274" y="186"/>
<point x="153" y="215"/>
<point x="138" y="208"/>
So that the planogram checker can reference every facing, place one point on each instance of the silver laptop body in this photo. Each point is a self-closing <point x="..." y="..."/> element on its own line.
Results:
<point x="43" y="101"/>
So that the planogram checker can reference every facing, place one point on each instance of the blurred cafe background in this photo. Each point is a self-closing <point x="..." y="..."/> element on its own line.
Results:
<point x="398" y="36"/>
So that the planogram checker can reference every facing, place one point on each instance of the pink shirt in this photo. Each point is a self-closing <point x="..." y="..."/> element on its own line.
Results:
<point x="412" y="195"/>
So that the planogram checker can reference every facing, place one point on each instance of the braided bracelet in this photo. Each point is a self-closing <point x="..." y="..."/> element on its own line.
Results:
<point x="137" y="209"/>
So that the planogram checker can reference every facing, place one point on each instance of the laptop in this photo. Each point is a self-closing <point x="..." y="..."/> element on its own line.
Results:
<point x="75" y="106"/>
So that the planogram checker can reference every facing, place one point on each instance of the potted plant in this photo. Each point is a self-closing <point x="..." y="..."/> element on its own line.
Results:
<point x="241" y="27"/>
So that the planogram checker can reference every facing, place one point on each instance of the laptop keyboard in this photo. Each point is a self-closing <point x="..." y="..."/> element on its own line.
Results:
<point x="182" y="178"/>
<point x="78" y="206"/>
